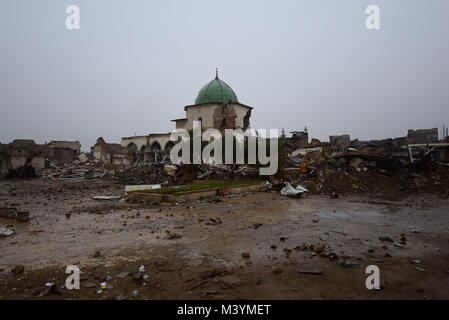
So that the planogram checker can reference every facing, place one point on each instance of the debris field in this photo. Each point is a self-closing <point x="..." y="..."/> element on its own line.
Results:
<point x="251" y="245"/>
<point x="310" y="232"/>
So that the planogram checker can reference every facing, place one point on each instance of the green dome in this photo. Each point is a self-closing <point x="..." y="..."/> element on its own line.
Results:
<point x="216" y="91"/>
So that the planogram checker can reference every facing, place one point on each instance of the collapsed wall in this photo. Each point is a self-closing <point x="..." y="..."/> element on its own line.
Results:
<point x="111" y="153"/>
<point x="422" y="136"/>
<point x="23" y="158"/>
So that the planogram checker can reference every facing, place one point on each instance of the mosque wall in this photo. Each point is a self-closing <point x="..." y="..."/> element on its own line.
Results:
<point x="204" y="112"/>
<point x="181" y="124"/>
<point x="160" y="139"/>
<point x="241" y="112"/>
<point x="138" y="141"/>
<point x="212" y="115"/>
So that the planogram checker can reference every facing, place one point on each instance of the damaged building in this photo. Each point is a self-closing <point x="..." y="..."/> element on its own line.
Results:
<point x="300" y="139"/>
<point x="398" y="145"/>
<point x="340" y="143"/>
<point x="415" y="144"/>
<point x="216" y="106"/>
<point x="111" y="153"/>
<point x="60" y="152"/>
<point x="422" y="136"/>
<point x="152" y="147"/>
<point x="25" y="158"/>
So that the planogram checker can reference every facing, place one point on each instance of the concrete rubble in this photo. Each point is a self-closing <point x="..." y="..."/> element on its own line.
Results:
<point x="344" y="166"/>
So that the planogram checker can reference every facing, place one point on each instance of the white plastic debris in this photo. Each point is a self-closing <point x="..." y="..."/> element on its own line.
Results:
<point x="142" y="268"/>
<point x="289" y="191"/>
<point x="303" y="152"/>
<point x="6" y="232"/>
<point x="301" y="188"/>
<point x="267" y="185"/>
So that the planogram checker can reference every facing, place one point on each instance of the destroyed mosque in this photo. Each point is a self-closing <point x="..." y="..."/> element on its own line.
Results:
<point x="216" y="106"/>
<point x="125" y="210"/>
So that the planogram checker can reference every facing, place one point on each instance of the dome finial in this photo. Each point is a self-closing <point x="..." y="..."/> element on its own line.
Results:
<point x="216" y="73"/>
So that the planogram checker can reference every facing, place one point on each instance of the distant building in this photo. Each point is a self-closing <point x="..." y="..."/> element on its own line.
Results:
<point x="422" y="136"/>
<point x="300" y="138"/>
<point x="340" y="143"/>
<point x="25" y="152"/>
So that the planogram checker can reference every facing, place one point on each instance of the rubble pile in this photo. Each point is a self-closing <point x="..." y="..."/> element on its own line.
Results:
<point x="323" y="172"/>
<point x="316" y="166"/>
<point x="169" y="174"/>
<point x="146" y="172"/>
<point x="226" y="172"/>
<point x="23" y="172"/>
<point x="78" y="170"/>
<point x="143" y="173"/>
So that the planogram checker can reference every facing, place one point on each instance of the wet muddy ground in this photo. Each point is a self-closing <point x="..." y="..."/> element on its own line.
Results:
<point x="248" y="246"/>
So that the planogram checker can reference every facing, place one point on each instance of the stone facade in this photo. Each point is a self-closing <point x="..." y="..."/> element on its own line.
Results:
<point x="150" y="147"/>
<point x="300" y="138"/>
<point x="340" y="143"/>
<point x="217" y="116"/>
<point x="422" y="136"/>
<point x="112" y="153"/>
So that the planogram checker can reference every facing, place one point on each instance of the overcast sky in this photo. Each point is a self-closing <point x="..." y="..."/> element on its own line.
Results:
<point x="134" y="65"/>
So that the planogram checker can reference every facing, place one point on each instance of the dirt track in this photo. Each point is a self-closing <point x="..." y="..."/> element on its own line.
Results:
<point x="68" y="227"/>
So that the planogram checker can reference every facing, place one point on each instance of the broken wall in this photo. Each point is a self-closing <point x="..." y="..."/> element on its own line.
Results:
<point x="300" y="139"/>
<point x="38" y="163"/>
<point x="72" y="145"/>
<point x="5" y="163"/>
<point x="422" y="136"/>
<point x="100" y="151"/>
<point x="340" y="143"/>
<point x="60" y="156"/>
<point x="112" y="153"/>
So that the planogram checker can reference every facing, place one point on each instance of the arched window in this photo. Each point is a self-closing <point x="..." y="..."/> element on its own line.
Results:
<point x="155" y="147"/>
<point x="133" y="149"/>
<point x="168" y="146"/>
<point x="142" y="153"/>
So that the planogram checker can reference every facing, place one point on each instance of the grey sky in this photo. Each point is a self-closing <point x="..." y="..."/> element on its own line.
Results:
<point x="134" y="65"/>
